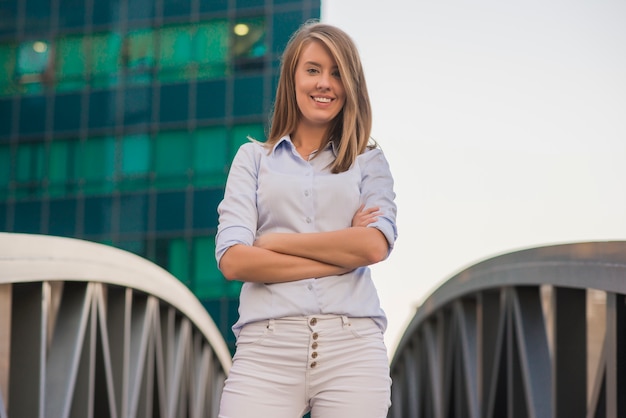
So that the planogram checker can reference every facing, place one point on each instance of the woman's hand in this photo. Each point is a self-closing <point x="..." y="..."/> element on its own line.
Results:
<point x="363" y="217"/>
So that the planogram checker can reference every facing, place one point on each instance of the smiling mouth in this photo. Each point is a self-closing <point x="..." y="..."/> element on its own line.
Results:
<point x="322" y="99"/>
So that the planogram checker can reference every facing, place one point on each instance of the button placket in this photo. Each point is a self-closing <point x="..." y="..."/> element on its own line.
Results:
<point x="314" y="344"/>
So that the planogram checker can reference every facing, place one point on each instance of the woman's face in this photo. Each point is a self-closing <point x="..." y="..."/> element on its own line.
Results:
<point x="319" y="91"/>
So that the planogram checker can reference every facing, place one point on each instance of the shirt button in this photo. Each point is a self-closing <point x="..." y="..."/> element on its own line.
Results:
<point x="310" y="287"/>
<point x="313" y="321"/>
<point x="314" y="354"/>
<point x="306" y="192"/>
<point x="313" y="364"/>
<point x="315" y="335"/>
<point x="314" y="345"/>
<point x="308" y="220"/>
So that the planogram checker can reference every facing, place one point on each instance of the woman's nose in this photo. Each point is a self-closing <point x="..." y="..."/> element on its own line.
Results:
<point x="324" y="81"/>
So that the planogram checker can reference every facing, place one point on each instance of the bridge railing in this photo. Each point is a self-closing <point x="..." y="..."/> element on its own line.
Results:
<point x="534" y="333"/>
<point x="88" y="330"/>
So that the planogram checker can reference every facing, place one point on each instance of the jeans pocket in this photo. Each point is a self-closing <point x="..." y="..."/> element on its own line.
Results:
<point x="364" y="328"/>
<point x="253" y="333"/>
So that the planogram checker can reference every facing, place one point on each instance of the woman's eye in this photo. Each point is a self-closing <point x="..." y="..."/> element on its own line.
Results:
<point x="336" y="74"/>
<point x="312" y="71"/>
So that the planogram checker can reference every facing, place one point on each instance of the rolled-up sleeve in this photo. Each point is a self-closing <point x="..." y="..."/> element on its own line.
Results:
<point x="237" y="212"/>
<point x="377" y="191"/>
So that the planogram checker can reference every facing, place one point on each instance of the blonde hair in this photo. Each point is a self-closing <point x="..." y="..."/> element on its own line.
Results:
<point x="351" y="128"/>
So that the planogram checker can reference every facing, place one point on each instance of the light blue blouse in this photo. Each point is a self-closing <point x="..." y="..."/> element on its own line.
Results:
<point x="279" y="191"/>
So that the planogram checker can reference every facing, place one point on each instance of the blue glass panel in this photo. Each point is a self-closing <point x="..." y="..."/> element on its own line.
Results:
<point x="33" y="114"/>
<point x="133" y="213"/>
<point x="211" y="99"/>
<point x="102" y="109"/>
<point x="213" y="6"/>
<point x="140" y="9"/>
<point x="105" y="12"/>
<point x="170" y="211"/>
<point x="27" y="217"/>
<point x="72" y="13"/>
<point x="3" y="216"/>
<point x="138" y="105"/>
<point x="8" y="19"/>
<point x="284" y="24"/>
<point x="224" y="312"/>
<point x="6" y="117"/>
<point x="250" y="3"/>
<point x="174" y="103"/>
<point x="248" y="96"/>
<point x="205" y="207"/>
<point x="173" y="8"/>
<point x="98" y="214"/>
<point x="5" y="169"/>
<point x="62" y="217"/>
<point x="133" y="246"/>
<point x="37" y="19"/>
<point x="67" y="109"/>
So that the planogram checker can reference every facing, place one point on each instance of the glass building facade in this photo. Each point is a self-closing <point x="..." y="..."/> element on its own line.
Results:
<point x="119" y="120"/>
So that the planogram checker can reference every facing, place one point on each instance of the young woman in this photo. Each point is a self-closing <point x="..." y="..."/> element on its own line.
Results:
<point x="304" y="214"/>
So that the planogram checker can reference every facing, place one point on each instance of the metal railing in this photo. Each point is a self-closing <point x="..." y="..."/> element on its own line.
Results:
<point x="88" y="330"/>
<point x="535" y="333"/>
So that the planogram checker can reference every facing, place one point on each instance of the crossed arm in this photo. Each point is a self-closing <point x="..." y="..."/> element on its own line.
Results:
<point x="284" y="257"/>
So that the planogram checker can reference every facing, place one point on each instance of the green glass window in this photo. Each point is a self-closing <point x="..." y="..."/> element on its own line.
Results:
<point x="105" y="58"/>
<point x="29" y="163"/>
<point x="208" y="282"/>
<point x="95" y="164"/>
<point x="249" y="45"/>
<point x="133" y="246"/>
<point x="240" y="134"/>
<point x="178" y="260"/>
<point x="176" y="53"/>
<point x="172" y="159"/>
<point x="211" y="48"/>
<point x="70" y="63"/>
<point x="7" y="69"/>
<point x="135" y="155"/>
<point x="140" y="54"/>
<point x="210" y="157"/>
<point x="33" y="58"/>
<point x="60" y="167"/>
<point x="5" y="169"/>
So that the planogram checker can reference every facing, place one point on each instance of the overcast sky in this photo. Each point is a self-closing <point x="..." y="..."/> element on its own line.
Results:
<point x="504" y="124"/>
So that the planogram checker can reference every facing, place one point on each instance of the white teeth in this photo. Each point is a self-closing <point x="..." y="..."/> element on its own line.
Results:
<point x="322" y="99"/>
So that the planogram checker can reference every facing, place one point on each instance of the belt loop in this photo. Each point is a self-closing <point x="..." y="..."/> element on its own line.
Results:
<point x="345" y="321"/>
<point x="270" y="325"/>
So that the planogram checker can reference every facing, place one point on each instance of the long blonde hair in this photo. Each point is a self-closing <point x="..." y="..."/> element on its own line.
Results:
<point x="351" y="128"/>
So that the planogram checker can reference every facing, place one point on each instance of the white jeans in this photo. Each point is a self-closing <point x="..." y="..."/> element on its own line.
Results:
<point x="332" y="366"/>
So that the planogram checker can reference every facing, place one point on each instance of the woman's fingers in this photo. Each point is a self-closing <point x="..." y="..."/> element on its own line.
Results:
<point x="365" y="216"/>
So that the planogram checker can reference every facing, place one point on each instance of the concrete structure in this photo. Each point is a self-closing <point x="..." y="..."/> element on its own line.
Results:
<point x="537" y="333"/>
<point x="88" y="330"/>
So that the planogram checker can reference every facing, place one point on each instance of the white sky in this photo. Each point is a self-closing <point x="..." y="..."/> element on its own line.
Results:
<point x="505" y="126"/>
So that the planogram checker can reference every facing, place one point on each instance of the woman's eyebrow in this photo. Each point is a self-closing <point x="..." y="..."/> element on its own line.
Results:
<point x="334" y="67"/>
